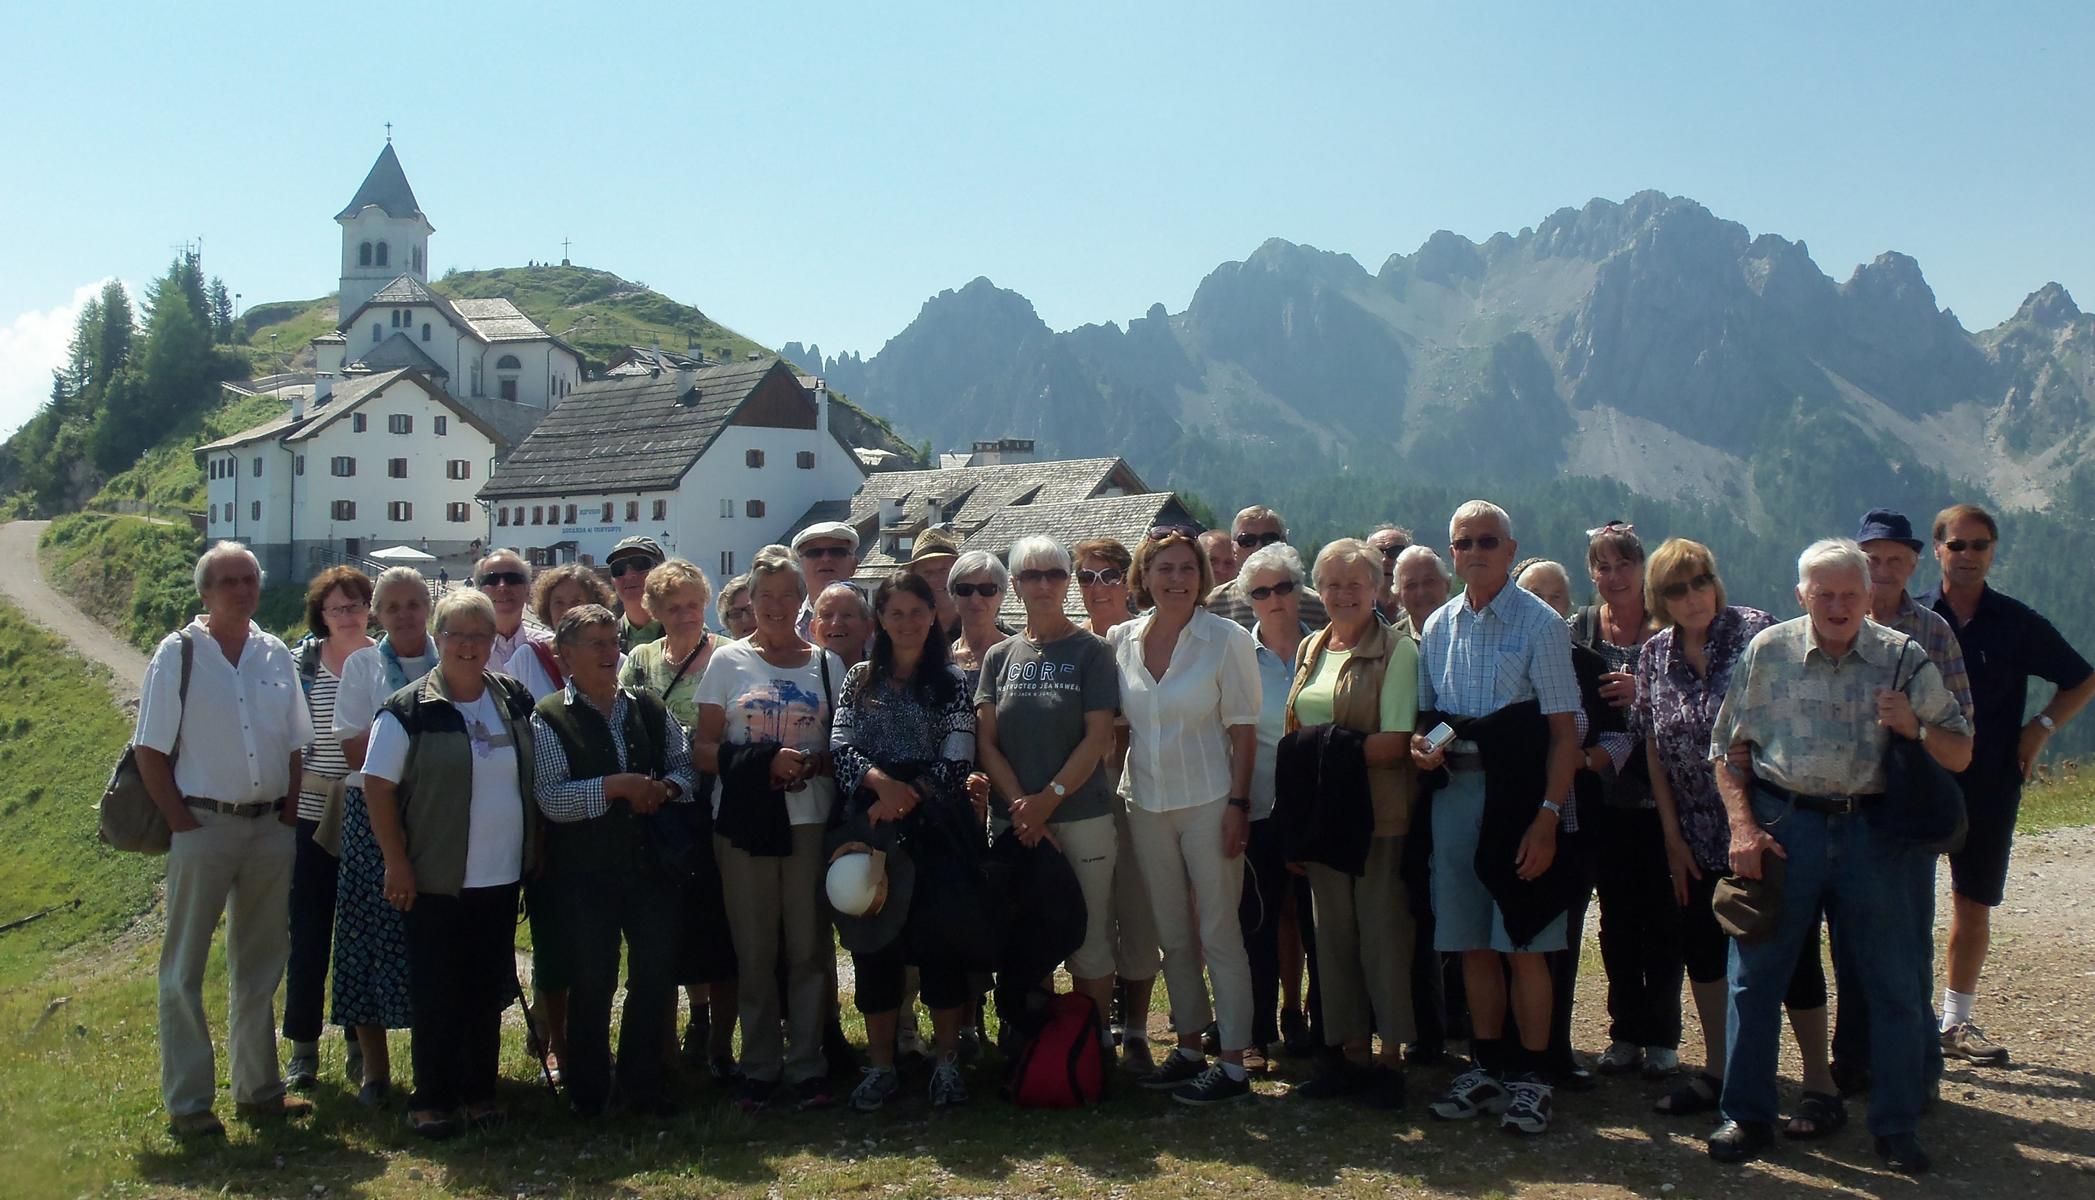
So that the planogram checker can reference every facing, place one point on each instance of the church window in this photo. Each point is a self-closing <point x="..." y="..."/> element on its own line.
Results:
<point x="396" y="318"/>
<point x="377" y="331"/>
<point x="415" y="256"/>
<point x="381" y="257"/>
<point x="425" y="331"/>
<point x="508" y="362"/>
<point x="363" y="255"/>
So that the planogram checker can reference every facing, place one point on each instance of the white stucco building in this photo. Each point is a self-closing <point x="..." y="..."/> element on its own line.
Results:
<point x="712" y="462"/>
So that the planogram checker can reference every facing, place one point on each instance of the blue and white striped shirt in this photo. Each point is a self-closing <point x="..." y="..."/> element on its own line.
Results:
<point x="1472" y="663"/>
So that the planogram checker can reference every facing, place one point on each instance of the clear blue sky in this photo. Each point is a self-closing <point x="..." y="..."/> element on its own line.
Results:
<point x="816" y="172"/>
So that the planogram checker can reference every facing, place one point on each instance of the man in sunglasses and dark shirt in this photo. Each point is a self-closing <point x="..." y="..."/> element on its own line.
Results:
<point x="1257" y="527"/>
<point x="630" y="561"/>
<point x="2004" y="643"/>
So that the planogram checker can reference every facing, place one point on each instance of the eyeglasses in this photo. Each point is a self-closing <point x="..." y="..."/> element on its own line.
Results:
<point x="1108" y="576"/>
<point x="1285" y="587"/>
<point x="1252" y="541"/>
<point x="826" y="552"/>
<point x="1048" y="575"/>
<point x="346" y="610"/>
<point x="739" y="612"/>
<point x="1489" y="541"/>
<point x="503" y="579"/>
<point x="975" y="589"/>
<point x="1975" y="545"/>
<point x="1389" y="553"/>
<point x="1679" y="587"/>
<point x="631" y="563"/>
<point x="1158" y="533"/>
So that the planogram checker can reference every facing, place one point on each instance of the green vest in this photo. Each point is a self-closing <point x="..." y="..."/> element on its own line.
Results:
<point x="435" y="793"/>
<point x="613" y="841"/>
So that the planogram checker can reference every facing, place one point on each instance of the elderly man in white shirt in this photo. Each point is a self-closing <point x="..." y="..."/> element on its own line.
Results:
<point x="223" y="768"/>
<point x="1189" y="685"/>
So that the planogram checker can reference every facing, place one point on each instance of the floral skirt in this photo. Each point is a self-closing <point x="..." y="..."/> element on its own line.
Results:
<point x="370" y="968"/>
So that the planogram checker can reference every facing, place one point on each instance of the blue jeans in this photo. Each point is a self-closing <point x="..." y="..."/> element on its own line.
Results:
<point x="1872" y="888"/>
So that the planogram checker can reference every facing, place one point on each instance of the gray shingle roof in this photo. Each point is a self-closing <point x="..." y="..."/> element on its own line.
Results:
<point x="386" y="187"/>
<point x="497" y="320"/>
<point x="507" y="424"/>
<point x="400" y="350"/>
<point x="969" y="496"/>
<point x="345" y="396"/>
<point x="627" y="434"/>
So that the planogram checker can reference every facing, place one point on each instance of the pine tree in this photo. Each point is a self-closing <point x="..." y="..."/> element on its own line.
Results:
<point x="116" y="333"/>
<point x="84" y="352"/>
<point x="221" y="312"/>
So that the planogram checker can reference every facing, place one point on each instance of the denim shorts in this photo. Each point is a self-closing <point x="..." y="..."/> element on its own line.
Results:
<point x="1464" y="915"/>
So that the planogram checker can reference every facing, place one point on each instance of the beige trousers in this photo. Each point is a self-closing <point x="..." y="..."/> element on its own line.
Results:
<point x="775" y="912"/>
<point x="1364" y="936"/>
<point x="1180" y="853"/>
<point x="1135" y="953"/>
<point x="239" y="868"/>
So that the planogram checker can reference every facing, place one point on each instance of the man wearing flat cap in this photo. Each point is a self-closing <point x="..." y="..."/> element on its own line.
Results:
<point x="629" y="562"/>
<point x="828" y="553"/>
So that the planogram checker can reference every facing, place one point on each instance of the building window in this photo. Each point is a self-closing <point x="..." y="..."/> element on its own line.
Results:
<point x="377" y="331"/>
<point x="396" y="318"/>
<point x="381" y="257"/>
<point x="805" y="460"/>
<point x="632" y="510"/>
<point x="363" y="255"/>
<point x="753" y="458"/>
<point x="570" y="514"/>
<point x="607" y="512"/>
<point x="519" y="515"/>
<point x="400" y="510"/>
<point x="341" y="466"/>
<point x="425" y="331"/>
<point x="396" y="468"/>
<point x="254" y="510"/>
<point x="258" y="466"/>
<point x="443" y="426"/>
<point x="727" y="564"/>
<point x="502" y="515"/>
<point x="459" y="468"/>
<point x="211" y="469"/>
<point x="457" y="513"/>
<point x="727" y="508"/>
<point x="400" y="423"/>
<point x="415" y="256"/>
<point x="506" y="389"/>
<point x="508" y="362"/>
<point x="357" y="423"/>
<point x="661" y="510"/>
<point x="298" y="464"/>
<point x="538" y="514"/>
<point x="754" y="508"/>
<point x="343" y="510"/>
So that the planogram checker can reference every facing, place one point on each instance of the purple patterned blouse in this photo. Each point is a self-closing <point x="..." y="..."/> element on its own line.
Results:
<point x="1675" y="710"/>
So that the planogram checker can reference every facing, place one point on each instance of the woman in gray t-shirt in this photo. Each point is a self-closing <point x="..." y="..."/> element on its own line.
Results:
<point x="1043" y="727"/>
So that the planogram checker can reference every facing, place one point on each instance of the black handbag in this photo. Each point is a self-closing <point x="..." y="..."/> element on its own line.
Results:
<point x="1923" y="805"/>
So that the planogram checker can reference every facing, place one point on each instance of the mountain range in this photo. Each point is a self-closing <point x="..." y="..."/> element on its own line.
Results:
<point x="1648" y="342"/>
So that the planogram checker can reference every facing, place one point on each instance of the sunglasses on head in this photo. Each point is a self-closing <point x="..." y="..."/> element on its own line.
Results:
<point x="1489" y="541"/>
<point x="1975" y="545"/>
<point x="1680" y="587"/>
<point x="1285" y="587"/>
<point x="825" y="552"/>
<point x="1044" y="575"/>
<point x="1158" y="533"/>
<point x="1108" y="576"/>
<point x="631" y="563"/>
<point x="974" y="589"/>
<point x="502" y="579"/>
<point x="1252" y="541"/>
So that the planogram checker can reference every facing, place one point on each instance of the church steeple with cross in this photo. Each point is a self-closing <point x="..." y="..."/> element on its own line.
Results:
<point x="384" y="232"/>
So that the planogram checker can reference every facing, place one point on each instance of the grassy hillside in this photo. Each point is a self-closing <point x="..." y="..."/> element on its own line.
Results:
<point x="136" y="576"/>
<point x="166" y="479"/>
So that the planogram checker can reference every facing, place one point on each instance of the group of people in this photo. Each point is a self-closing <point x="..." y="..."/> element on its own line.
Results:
<point x="1238" y="763"/>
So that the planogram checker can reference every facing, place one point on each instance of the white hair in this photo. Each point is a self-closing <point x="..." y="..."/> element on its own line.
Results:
<point x="1473" y="509"/>
<point x="393" y="577"/>
<point x="1548" y="566"/>
<point x="470" y="603"/>
<point x="975" y="562"/>
<point x="1831" y="554"/>
<point x="225" y="550"/>
<point x="1277" y="557"/>
<point x="1038" y="551"/>
<point x="1343" y="553"/>
<point x="1420" y="553"/>
<point x="865" y="604"/>
<point x="776" y="560"/>
<point x="503" y="552"/>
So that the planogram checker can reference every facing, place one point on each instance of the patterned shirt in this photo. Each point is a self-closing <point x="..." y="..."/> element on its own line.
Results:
<point x="891" y="724"/>
<point x="1475" y="662"/>
<point x="566" y="799"/>
<point x="1812" y="719"/>
<point x="1674" y="713"/>
<point x="1934" y="634"/>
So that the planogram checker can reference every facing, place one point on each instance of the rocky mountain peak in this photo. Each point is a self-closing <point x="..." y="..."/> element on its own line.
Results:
<point x="2049" y="307"/>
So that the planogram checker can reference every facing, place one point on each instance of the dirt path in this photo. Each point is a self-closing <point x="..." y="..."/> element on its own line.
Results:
<point x="22" y="580"/>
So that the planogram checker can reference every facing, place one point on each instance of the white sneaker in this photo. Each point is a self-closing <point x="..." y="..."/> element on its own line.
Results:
<point x="1660" y="1061"/>
<point x="1620" y="1058"/>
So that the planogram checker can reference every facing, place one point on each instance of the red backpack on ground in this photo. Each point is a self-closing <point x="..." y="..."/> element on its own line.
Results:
<point x="1064" y="1066"/>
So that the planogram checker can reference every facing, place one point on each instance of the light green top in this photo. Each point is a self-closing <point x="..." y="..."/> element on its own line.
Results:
<point x="1313" y="704"/>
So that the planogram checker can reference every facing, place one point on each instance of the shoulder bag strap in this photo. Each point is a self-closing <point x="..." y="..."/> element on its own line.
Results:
<point x="182" y="690"/>
<point x="703" y="641"/>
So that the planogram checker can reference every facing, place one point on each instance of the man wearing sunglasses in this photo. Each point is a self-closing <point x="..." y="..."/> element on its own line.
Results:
<point x="629" y="562"/>
<point x="506" y="578"/>
<point x="1254" y="529"/>
<point x="828" y="553"/>
<point x="2004" y="642"/>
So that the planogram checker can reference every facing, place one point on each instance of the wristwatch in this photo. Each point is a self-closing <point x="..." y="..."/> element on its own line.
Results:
<point x="1554" y="807"/>
<point x="1056" y="787"/>
<point x="2050" y="726"/>
<point x="1922" y="736"/>
<point x="1240" y="802"/>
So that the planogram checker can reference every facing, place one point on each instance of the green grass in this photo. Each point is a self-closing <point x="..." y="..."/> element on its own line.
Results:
<point x="167" y="478"/>
<point x="136" y="576"/>
<point x="2061" y="797"/>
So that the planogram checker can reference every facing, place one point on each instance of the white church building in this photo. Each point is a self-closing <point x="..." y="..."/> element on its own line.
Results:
<point x="415" y="399"/>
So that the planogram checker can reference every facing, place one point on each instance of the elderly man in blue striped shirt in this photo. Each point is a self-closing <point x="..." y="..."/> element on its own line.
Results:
<point x="1495" y="665"/>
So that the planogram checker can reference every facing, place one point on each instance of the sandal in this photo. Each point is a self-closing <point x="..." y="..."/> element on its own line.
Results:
<point x="1697" y="1095"/>
<point x="1821" y="1114"/>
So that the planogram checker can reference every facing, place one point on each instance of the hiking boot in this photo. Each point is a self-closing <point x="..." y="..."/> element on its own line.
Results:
<point x="1620" y="1058"/>
<point x="948" y="1089"/>
<point x="1175" y="1072"/>
<point x="1528" y="1114"/>
<point x="1214" y="1086"/>
<point x="302" y="1073"/>
<point x="876" y="1089"/>
<point x="1970" y="1043"/>
<point x="196" y="1124"/>
<point x="1473" y="1094"/>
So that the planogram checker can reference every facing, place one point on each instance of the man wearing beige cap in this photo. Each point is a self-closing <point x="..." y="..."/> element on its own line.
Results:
<point x="931" y="559"/>
<point x="828" y="553"/>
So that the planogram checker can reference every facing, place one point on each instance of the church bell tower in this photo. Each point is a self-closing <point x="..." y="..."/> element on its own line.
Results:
<point x="384" y="234"/>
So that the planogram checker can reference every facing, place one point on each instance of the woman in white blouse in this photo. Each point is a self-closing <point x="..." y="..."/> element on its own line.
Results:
<point x="1189" y="685"/>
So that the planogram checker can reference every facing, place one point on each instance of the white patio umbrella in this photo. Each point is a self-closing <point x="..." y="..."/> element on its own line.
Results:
<point x="402" y="554"/>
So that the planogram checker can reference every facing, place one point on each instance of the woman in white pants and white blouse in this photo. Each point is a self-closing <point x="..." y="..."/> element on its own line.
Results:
<point x="1189" y="686"/>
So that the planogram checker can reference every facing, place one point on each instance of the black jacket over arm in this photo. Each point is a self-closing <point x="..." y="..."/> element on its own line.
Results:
<point x="1514" y="744"/>
<point x="752" y="813"/>
<point x="1320" y="785"/>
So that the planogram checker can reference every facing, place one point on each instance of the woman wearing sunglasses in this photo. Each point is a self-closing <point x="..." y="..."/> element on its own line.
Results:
<point x="978" y="583"/>
<point x="1189" y="684"/>
<point x="1682" y="676"/>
